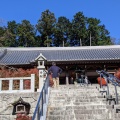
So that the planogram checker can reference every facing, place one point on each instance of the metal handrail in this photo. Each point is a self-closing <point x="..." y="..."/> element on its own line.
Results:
<point x="42" y="100"/>
<point x="109" y="77"/>
<point x="102" y="73"/>
<point x="112" y="79"/>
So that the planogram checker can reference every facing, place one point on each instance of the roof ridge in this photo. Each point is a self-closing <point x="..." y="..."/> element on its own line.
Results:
<point x="61" y="48"/>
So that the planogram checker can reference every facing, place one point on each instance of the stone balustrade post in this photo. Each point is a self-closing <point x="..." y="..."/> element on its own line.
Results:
<point x="32" y="82"/>
<point x="11" y="85"/>
<point x="21" y="84"/>
<point x="67" y="79"/>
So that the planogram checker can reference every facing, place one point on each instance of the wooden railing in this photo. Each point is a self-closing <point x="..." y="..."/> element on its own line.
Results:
<point x="17" y="84"/>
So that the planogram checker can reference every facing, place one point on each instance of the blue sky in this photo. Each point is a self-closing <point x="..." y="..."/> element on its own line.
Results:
<point x="105" y="10"/>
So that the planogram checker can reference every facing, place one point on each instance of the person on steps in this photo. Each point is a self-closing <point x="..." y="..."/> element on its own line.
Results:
<point x="55" y="71"/>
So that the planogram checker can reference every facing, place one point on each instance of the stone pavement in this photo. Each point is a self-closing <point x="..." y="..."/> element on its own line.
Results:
<point x="73" y="102"/>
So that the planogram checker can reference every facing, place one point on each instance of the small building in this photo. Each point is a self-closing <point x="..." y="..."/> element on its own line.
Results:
<point x="70" y="59"/>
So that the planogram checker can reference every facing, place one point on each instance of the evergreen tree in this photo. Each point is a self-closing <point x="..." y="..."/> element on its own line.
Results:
<point x="46" y="27"/>
<point x="26" y="34"/>
<point x="62" y="31"/>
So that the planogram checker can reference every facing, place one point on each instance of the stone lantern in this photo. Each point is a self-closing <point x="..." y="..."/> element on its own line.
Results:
<point x="21" y="107"/>
<point x="41" y="67"/>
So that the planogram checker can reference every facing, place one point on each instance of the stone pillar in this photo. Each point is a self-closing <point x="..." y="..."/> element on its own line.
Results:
<point x="41" y="77"/>
<point x="33" y="82"/>
<point x="67" y="79"/>
<point x="67" y="76"/>
<point x="76" y="75"/>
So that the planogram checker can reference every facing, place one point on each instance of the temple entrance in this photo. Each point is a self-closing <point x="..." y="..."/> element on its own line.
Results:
<point x="75" y="72"/>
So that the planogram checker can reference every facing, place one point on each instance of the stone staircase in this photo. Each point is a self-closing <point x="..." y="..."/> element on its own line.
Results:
<point x="75" y="102"/>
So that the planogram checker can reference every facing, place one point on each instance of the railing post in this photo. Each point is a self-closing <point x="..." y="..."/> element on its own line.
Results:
<point x="32" y="82"/>
<point x="107" y="87"/>
<point x="100" y="81"/>
<point x="67" y="78"/>
<point x="21" y="84"/>
<point x="11" y="85"/>
<point x="116" y="94"/>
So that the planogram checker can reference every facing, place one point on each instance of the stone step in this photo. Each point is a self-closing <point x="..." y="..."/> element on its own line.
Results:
<point x="116" y="115"/>
<point x="60" y="112"/>
<point x="93" y="117"/>
<point x="77" y="89"/>
<point x="72" y="90"/>
<point x="81" y="99"/>
<point x="79" y="117"/>
<point x="76" y="86"/>
<point x="79" y="103"/>
<point x="77" y="96"/>
<point x="92" y="111"/>
<point x="75" y="104"/>
<point x="58" y="117"/>
<point x="74" y="94"/>
<point x="81" y="111"/>
<point x="89" y="107"/>
<point x="80" y="107"/>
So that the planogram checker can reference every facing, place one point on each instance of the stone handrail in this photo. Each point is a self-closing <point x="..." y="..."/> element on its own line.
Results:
<point x="20" y="89"/>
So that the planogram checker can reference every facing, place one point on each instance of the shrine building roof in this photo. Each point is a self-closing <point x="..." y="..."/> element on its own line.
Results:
<point x="26" y="55"/>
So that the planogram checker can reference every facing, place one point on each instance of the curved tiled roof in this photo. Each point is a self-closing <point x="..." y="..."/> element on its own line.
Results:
<point x="2" y="52"/>
<point x="15" y="56"/>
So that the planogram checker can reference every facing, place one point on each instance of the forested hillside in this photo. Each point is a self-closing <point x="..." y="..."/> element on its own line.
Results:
<point x="52" y="31"/>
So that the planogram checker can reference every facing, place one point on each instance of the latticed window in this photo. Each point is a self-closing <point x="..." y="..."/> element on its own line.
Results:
<point x="5" y="84"/>
<point x="27" y="84"/>
<point x="16" y="84"/>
